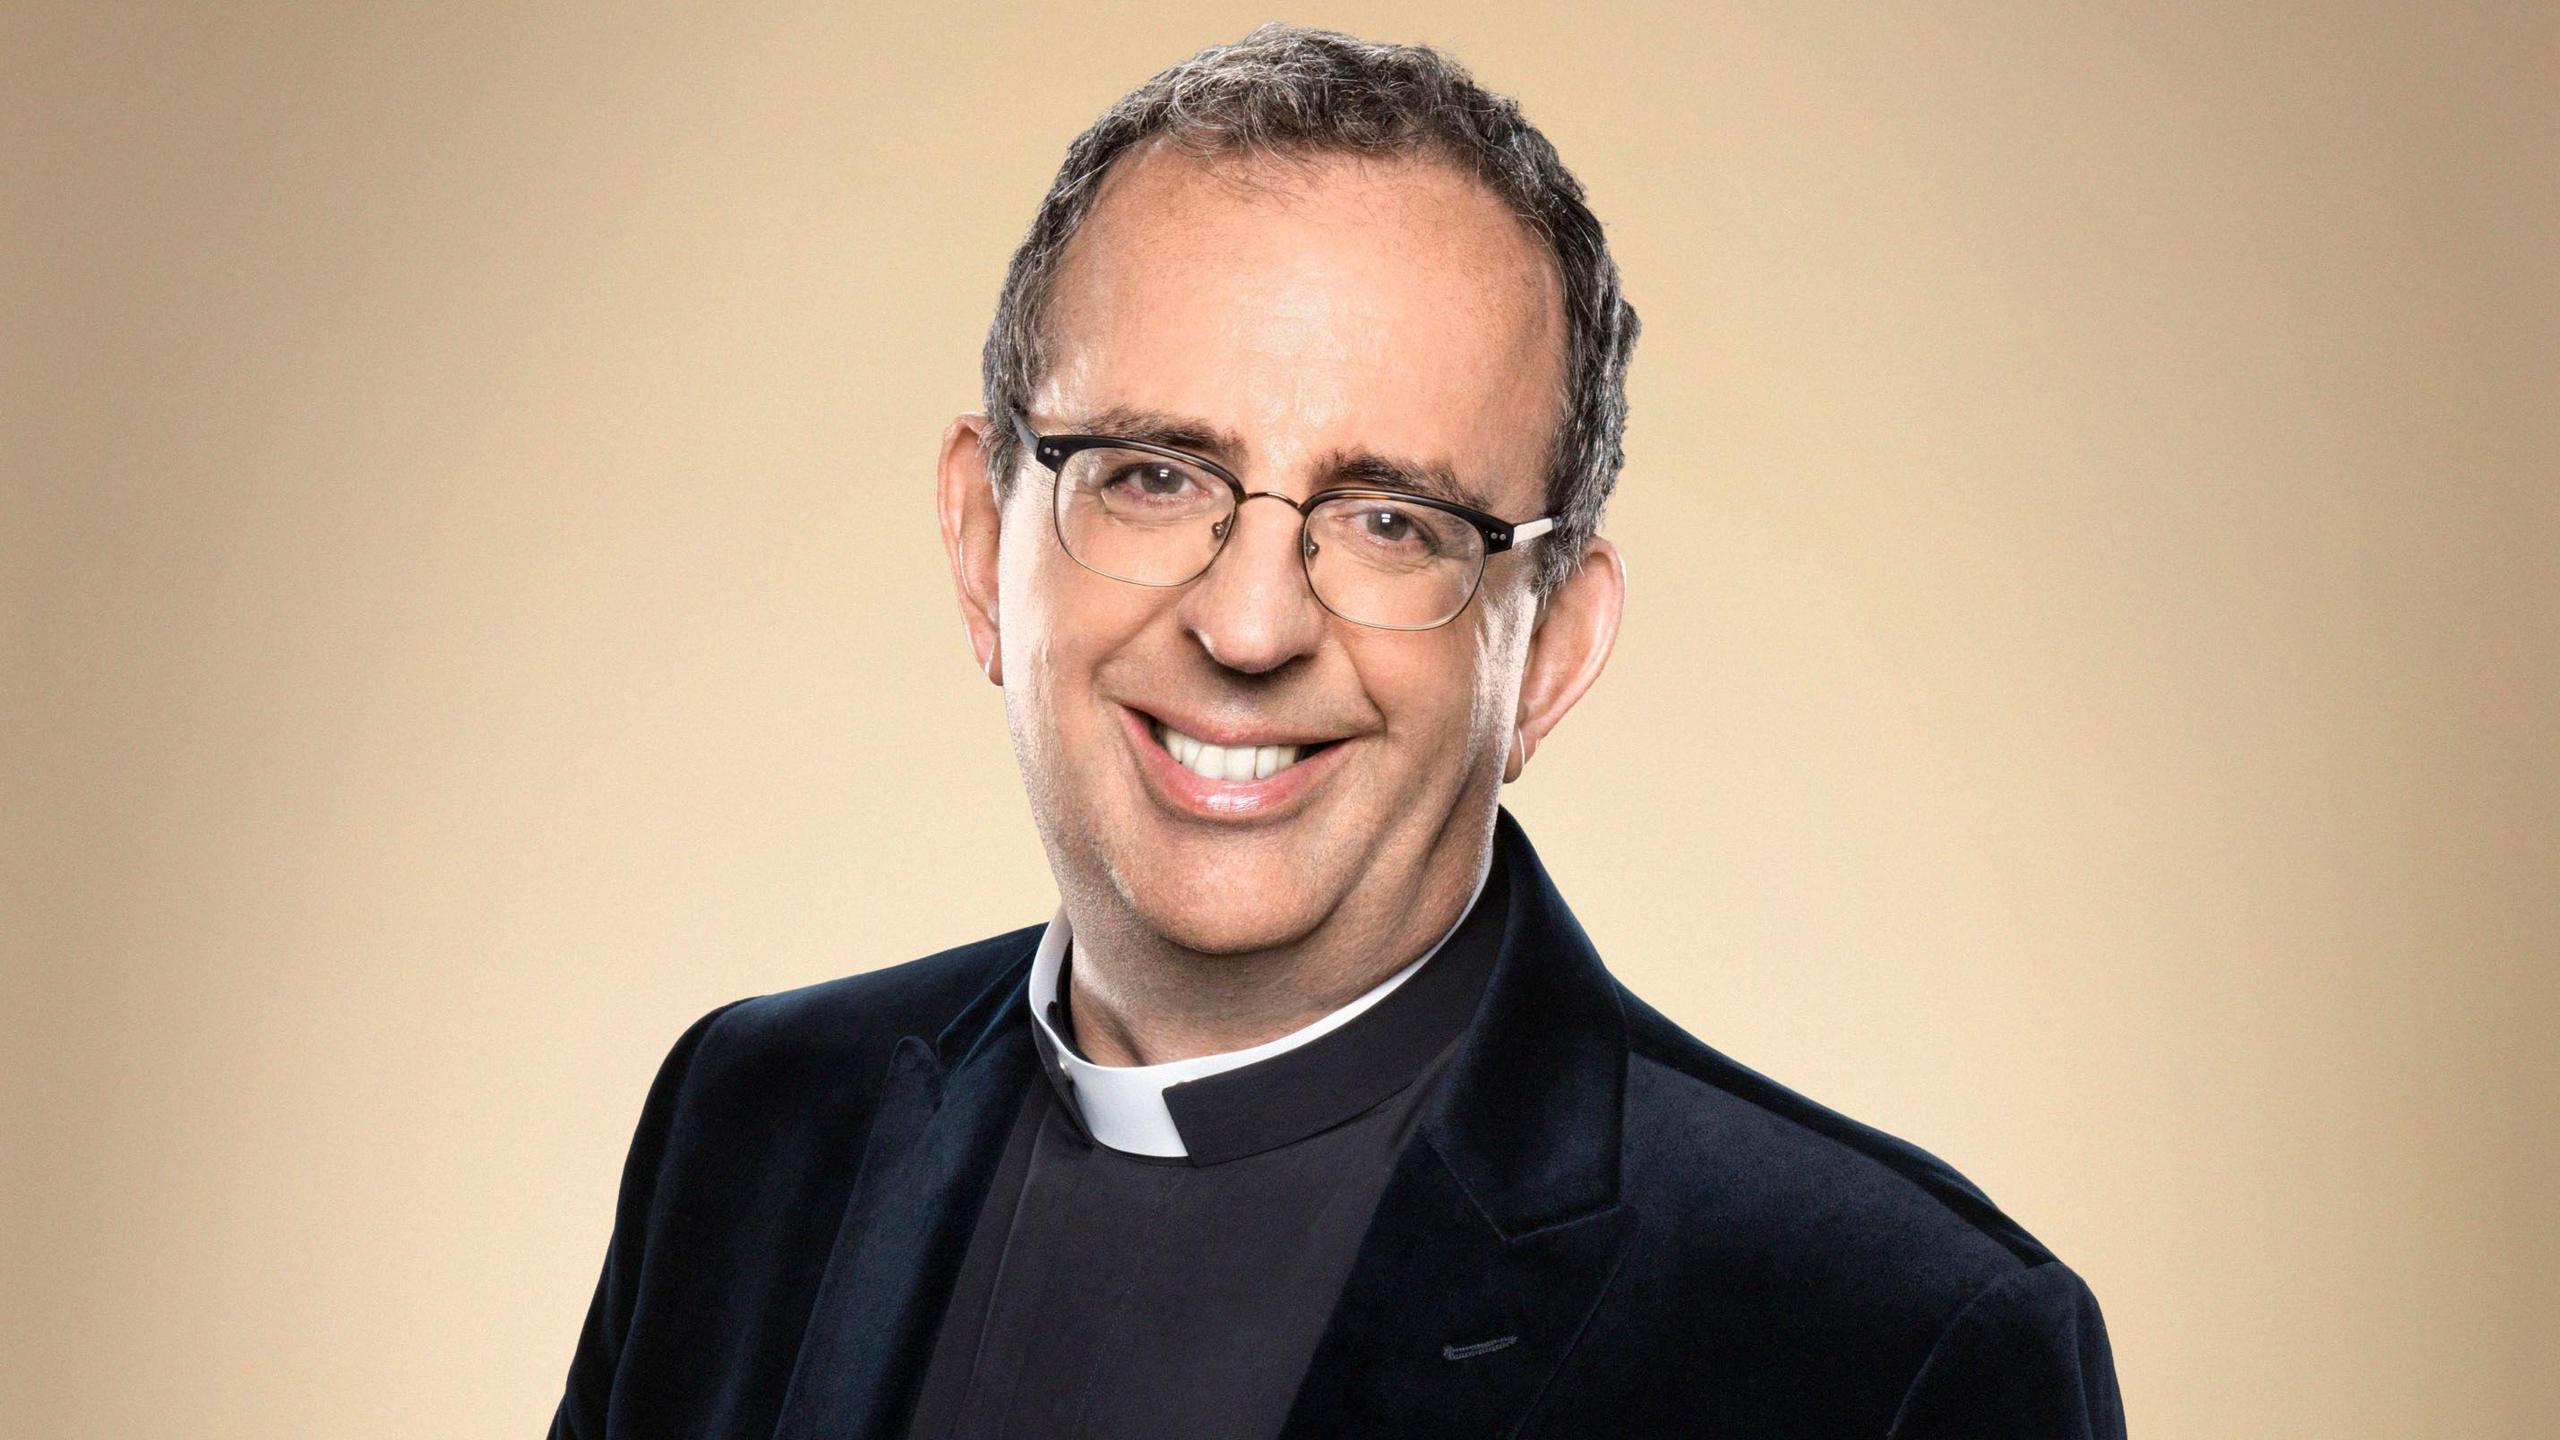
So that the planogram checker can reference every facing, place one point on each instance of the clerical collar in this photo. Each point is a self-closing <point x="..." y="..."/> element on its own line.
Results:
<point x="1211" y="1108"/>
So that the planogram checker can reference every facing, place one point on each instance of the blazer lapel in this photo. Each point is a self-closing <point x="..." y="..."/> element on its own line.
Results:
<point x="1501" y="1226"/>
<point x="934" y="1144"/>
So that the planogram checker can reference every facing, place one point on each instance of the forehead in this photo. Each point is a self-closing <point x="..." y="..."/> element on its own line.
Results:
<point x="1312" y="305"/>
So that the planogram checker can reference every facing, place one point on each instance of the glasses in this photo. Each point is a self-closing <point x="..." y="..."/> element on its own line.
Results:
<point x="1140" y="512"/>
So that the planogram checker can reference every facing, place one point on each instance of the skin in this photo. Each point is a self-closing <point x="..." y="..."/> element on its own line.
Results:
<point x="1305" y="309"/>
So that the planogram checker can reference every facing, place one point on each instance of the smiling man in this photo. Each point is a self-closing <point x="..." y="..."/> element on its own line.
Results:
<point x="1312" y="1111"/>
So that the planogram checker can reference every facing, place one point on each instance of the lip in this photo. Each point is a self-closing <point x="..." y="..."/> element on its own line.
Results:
<point x="1204" y="798"/>
<point x="1218" y="732"/>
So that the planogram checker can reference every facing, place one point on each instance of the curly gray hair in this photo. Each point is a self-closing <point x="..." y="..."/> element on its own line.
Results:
<point x="1284" y="89"/>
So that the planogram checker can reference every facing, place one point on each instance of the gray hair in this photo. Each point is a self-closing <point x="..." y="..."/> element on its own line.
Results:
<point x="1286" y="90"/>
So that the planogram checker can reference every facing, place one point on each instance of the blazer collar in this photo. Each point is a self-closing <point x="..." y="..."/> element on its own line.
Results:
<point x="1529" y="1116"/>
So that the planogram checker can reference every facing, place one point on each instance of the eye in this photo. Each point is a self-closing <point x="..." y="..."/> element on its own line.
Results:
<point x="1390" y="532"/>
<point x="1400" y="530"/>
<point x="1143" y="488"/>
<point x="1153" y="478"/>
<point x="1387" y="527"/>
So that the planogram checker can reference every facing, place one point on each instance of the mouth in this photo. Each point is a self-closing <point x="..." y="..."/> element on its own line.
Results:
<point x="1244" y="776"/>
<point x="1230" y="762"/>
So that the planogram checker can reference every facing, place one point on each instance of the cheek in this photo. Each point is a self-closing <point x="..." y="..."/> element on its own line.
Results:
<point x="1027" y="629"/>
<point x="1060" y="625"/>
<point x="1447" y="704"/>
<point x="1500" y="641"/>
<point x="1041" y="603"/>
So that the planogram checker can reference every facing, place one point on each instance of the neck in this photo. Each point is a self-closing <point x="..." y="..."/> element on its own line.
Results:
<point x="1138" y="998"/>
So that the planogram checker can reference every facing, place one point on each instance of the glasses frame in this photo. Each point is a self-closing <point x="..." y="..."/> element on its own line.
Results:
<point x="1053" y="452"/>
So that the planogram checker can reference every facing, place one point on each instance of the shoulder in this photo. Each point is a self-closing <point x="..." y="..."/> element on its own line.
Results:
<point x="1804" y="1264"/>
<point x="817" y="1040"/>
<point x="1688" y="1094"/>
<point x="1741" y="1175"/>
<point x="746" y="1149"/>
<point x="915" y="996"/>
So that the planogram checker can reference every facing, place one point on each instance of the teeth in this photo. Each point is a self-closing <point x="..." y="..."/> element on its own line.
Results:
<point x="1225" y="762"/>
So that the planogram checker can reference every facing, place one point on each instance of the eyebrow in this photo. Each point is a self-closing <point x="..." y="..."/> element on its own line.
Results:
<point x="1344" y="467"/>
<point x="1174" y="432"/>
<point x="1437" y="481"/>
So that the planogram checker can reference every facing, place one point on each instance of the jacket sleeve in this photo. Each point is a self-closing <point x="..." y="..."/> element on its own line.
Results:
<point x="583" y="1405"/>
<point x="2027" y="1359"/>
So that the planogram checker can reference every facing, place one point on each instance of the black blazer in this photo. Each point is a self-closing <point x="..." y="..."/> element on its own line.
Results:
<point x="1602" y="1228"/>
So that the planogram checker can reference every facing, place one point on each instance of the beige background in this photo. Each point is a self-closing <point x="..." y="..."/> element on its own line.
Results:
<point x="472" y="599"/>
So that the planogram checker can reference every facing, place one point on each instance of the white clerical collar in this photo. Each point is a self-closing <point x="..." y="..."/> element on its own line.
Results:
<point x="1123" y="1105"/>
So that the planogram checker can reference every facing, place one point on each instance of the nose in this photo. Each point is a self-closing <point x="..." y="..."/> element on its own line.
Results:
<point x="1252" y="610"/>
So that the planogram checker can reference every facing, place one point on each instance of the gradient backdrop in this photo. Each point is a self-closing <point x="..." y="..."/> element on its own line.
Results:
<point x="472" y="603"/>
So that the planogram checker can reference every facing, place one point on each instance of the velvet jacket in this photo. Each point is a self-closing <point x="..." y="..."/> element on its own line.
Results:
<point x="1601" y="1228"/>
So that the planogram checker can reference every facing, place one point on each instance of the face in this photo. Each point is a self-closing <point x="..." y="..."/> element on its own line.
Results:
<point x="1302" y="322"/>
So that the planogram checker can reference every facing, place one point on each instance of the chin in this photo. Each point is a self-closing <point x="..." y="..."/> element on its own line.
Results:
<point x="1254" y="911"/>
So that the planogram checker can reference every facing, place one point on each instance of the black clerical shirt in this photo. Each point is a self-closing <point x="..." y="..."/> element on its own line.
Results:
<point x="1107" y="1295"/>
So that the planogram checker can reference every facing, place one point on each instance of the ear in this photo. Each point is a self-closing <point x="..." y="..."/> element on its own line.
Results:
<point x="972" y="522"/>
<point x="1574" y="633"/>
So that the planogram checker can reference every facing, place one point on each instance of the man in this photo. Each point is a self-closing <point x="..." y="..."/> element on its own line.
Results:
<point x="1312" y="1112"/>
